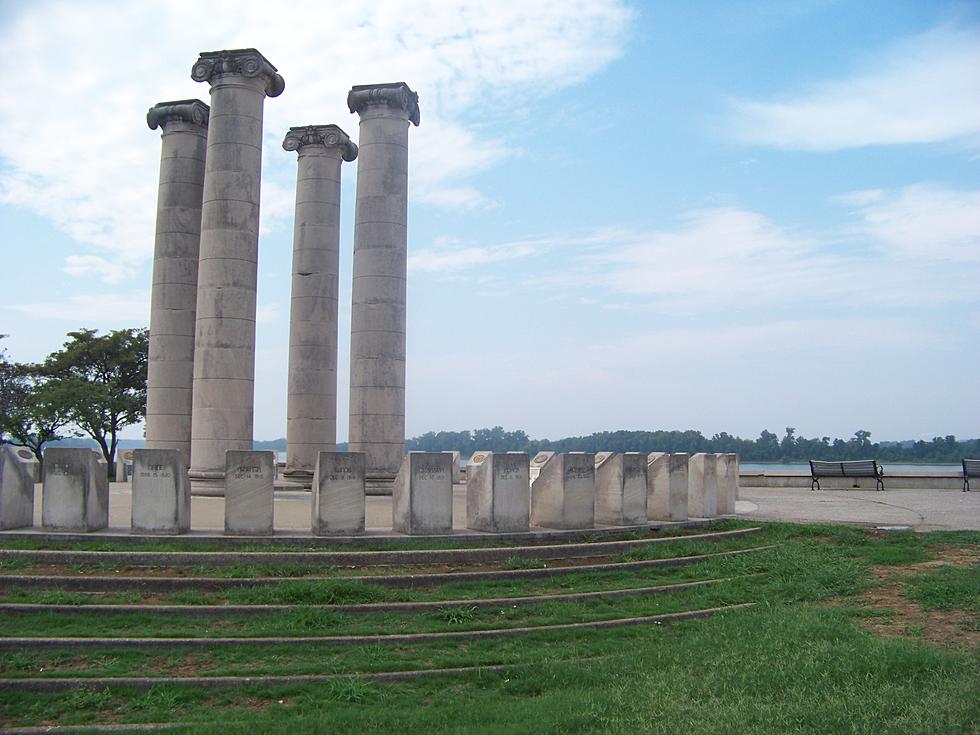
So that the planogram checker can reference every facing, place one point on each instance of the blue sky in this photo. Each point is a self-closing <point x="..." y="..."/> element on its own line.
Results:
<point x="725" y="216"/>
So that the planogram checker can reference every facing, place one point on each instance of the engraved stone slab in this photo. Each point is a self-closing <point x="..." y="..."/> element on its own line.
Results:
<point x="538" y="461"/>
<point x="475" y="459"/>
<point x="124" y="461"/>
<point x="702" y="486"/>
<point x="26" y="455"/>
<point x="161" y="492"/>
<point x="422" y="496"/>
<point x="498" y="494"/>
<point x="338" y="493"/>
<point x="726" y="470"/>
<point x="620" y="488"/>
<point x="75" y="493"/>
<point x="677" y="471"/>
<point x="563" y="495"/>
<point x="16" y="487"/>
<point x="249" y="481"/>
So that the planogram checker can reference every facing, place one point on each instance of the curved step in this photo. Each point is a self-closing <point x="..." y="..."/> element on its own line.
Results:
<point x="542" y="552"/>
<point x="11" y="644"/>
<point x="168" y="584"/>
<point x="217" y="610"/>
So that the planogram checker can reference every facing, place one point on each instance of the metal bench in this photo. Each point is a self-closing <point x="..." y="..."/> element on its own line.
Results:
<point x="856" y="468"/>
<point x="971" y="468"/>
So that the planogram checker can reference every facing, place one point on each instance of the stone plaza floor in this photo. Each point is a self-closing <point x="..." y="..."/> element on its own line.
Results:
<point x="922" y="510"/>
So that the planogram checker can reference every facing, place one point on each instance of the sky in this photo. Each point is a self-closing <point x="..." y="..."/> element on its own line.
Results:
<point x="723" y="216"/>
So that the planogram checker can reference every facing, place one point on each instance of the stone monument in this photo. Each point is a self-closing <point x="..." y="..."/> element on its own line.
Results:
<point x="16" y="487"/>
<point x="377" y="348"/>
<point x="249" y="499"/>
<point x="498" y="494"/>
<point x="161" y="492"/>
<point x="563" y="495"/>
<point x="224" y="348"/>
<point x="338" y="493"/>
<point x="422" y="496"/>
<point x="173" y="296"/>
<point x="677" y="470"/>
<point x="620" y="488"/>
<point x="702" y="486"/>
<point x="75" y="490"/>
<point x="726" y="470"/>
<point x="311" y="404"/>
<point x="666" y="498"/>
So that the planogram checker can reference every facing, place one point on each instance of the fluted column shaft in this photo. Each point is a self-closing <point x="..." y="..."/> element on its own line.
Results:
<point x="173" y="297"/>
<point x="224" y="350"/>
<point x="311" y="404"/>
<point x="377" y="377"/>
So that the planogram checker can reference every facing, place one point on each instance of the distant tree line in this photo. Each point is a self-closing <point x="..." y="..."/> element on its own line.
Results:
<point x="767" y="448"/>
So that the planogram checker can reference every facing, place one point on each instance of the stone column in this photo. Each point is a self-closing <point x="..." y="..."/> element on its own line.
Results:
<point x="311" y="404"/>
<point x="173" y="299"/>
<point x="377" y="350"/>
<point x="224" y="347"/>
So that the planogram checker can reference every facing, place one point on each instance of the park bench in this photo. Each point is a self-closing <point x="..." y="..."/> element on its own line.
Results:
<point x="856" y="468"/>
<point x="971" y="468"/>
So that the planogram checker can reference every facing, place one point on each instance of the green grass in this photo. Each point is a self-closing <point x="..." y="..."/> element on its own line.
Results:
<point x="791" y="664"/>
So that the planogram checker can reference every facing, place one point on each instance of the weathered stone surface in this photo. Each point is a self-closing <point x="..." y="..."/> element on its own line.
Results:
<point x="422" y="499"/>
<point x="666" y="495"/>
<point x="563" y="495"/>
<point x="161" y="492"/>
<point x="538" y="461"/>
<point x="224" y="348"/>
<point x="16" y="487"/>
<point x="457" y="477"/>
<point x="249" y="482"/>
<point x="702" y="486"/>
<point x="620" y="489"/>
<point x="726" y="470"/>
<point x="377" y="425"/>
<point x="122" y="473"/>
<point x="173" y="299"/>
<point x="311" y="405"/>
<point x="677" y="470"/>
<point x="75" y="493"/>
<point x="338" y="493"/>
<point x="498" y="493"/>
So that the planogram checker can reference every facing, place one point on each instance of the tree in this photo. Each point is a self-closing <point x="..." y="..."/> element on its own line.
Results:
<point x="104" y="380"/>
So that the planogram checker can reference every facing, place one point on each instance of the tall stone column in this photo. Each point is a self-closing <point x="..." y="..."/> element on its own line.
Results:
<point x="224" y="347"/>
<point x="377" y="370"/>
<point x="311" y="404"/>
<point x="173" y="298"/>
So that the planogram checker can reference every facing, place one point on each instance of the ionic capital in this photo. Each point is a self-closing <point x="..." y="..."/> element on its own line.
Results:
<point x="246" y="62"/>
<point x="396" y="95"/>
<point x="187" y="111"/>
<point x="327" y="136"/>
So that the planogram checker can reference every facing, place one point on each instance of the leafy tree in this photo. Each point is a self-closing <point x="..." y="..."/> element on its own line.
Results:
<point x="104" y="377"/>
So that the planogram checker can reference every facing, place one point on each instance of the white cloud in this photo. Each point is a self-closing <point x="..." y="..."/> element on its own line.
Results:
<point x="76" y="151"/>
<point x="85" y="266"/>
<point x="922" y="221"/>
<point x="921" y="91"/>
<point x="91" y="309"/>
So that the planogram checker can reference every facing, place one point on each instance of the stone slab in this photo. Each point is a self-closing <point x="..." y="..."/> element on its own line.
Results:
<point x="457" y="475"/>
<point x="16" y="486"/>
<point x="75" y="490"/>
<point x="422" y="494"/>
<point x="161" y="492"/>
<point x="538" y="461"/>
<point x="338" y="493"/>
<point x="677" y="471"/>
<point x="726" y="471"/>
<point x="563" y="494"/>
<point x="620" y="488"/>
<point x="249" y="483"/>
<point x="498" y="494"/>
<point x="702" y="486"/>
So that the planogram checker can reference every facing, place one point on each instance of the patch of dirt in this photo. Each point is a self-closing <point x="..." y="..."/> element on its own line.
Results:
<point x="900" y="616"/>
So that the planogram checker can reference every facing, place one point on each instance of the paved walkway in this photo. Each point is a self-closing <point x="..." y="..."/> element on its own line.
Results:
<point x="922" y="510"/>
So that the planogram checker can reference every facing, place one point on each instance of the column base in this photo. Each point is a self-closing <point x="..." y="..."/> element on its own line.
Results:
<point x="207" y="482"/>
<point x="298" y="476"/>
<point x="379" y="484"/>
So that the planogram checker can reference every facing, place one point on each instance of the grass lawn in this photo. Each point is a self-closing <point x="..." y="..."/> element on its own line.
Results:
<point x="852" y="632"/>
